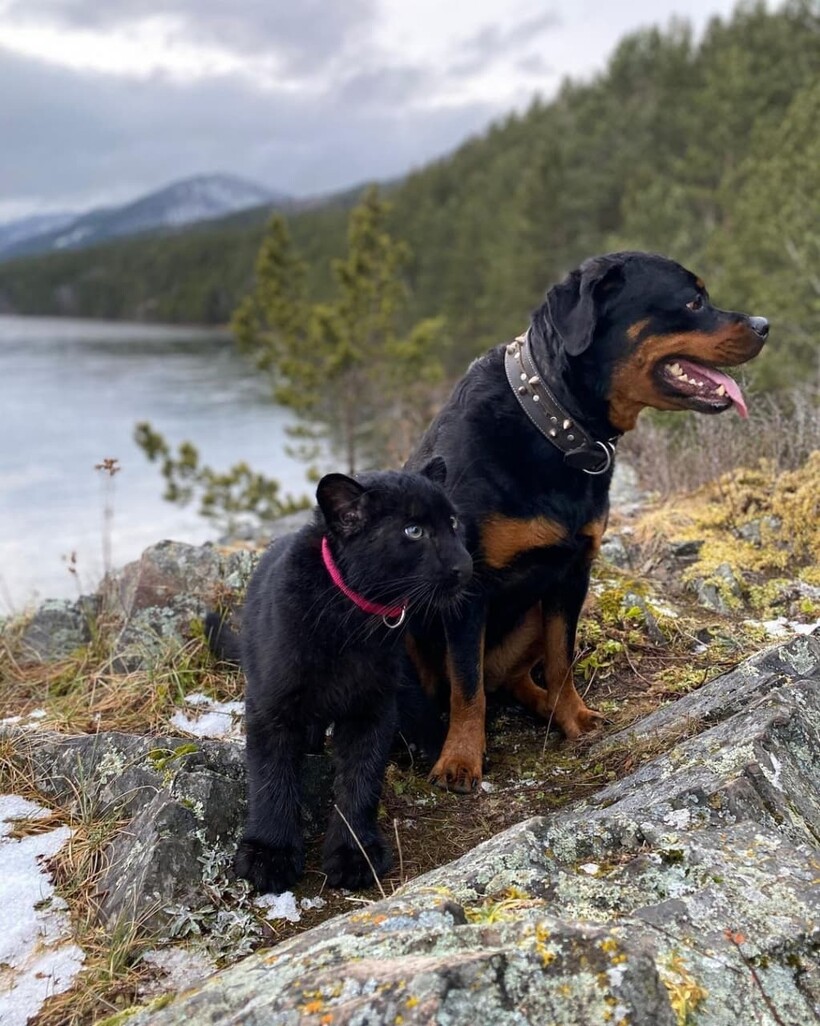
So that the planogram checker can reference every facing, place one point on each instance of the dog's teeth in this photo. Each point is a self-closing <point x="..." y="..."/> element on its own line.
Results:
<point x="676" y="369"/>
<point x="721" y="390"/>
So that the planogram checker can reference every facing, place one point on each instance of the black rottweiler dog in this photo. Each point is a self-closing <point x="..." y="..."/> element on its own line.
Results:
<point x="529" y="437"/>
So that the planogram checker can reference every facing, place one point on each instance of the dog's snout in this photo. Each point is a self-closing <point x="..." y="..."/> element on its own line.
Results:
<point x="760" y="325"/>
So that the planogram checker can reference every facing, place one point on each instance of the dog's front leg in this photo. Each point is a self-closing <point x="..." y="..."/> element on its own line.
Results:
<point x="460" y="764"/>
<point x="567" y="707"/>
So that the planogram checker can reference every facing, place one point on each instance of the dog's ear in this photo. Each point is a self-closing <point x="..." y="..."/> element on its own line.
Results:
<point x="340" y="500"/>
<point x="435" y="470"/>
<point x="573" y="307"/>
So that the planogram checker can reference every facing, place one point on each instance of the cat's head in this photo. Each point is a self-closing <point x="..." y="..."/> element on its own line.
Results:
<point x="396" y="536"/>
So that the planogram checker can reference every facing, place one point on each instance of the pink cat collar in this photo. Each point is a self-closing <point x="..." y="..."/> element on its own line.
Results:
<point x="387" y="613"/>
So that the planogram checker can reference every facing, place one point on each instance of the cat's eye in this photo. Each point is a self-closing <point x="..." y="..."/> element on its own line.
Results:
<point x="414" y="532"/>
<point x="454" y="523"/>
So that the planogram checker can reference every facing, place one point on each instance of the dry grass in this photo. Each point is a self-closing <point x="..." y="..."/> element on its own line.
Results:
<point x="84" y="694"/>
<point x="682" y="453"/>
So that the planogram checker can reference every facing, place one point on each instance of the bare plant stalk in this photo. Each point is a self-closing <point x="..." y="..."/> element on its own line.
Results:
<point x="398" y="846"/>
<point x="361" y="849"/>
<point x="109" y="466"/>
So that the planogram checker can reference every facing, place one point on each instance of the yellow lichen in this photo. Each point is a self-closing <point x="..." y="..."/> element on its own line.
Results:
<point x="685" y="993"/>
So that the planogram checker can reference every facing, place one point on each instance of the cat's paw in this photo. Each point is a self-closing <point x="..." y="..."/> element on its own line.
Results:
<point x="347" y="867"/>
<point x="269" y="869"/>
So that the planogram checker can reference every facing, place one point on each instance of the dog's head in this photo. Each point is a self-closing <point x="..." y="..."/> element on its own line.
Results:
<point x="633" y="330"/>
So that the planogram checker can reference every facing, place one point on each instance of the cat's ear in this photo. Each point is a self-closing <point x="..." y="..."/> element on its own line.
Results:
<point x="435" y="470"/>
<point x="339" y="498"/>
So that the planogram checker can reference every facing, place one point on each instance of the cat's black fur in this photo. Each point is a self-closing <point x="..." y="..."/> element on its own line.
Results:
<point x="312" y="657"/>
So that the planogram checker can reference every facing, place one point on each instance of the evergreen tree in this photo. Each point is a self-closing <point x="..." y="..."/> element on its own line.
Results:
<point x="345" y="367"/>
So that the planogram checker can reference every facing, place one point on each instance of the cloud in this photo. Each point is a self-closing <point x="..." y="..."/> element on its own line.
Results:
<point x="76" y="138"/>
<point x="494" y="41"/>
<point x="300" y="33"/>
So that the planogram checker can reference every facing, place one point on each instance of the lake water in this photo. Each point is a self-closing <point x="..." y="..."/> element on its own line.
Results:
<point x="70" y="395"/>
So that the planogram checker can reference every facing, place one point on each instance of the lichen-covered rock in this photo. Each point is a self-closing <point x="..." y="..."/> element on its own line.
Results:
<point x="721" y="592"/>
<point x="57" y="629"/>
<point x="157" y="597"/>
<point x="183" y="800"/>
<point x="726" y="695"/>
<point x="687" y="892"/>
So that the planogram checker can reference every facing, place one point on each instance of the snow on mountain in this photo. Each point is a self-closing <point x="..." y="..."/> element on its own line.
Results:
<point x="12" y="232"/>
<point x="201" y="198"/>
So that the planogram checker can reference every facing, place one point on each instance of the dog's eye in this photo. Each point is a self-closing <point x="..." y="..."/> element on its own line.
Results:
<point x="454" y="523"/>
<point x="414" y="532"/>
<point x="695" y="304"/>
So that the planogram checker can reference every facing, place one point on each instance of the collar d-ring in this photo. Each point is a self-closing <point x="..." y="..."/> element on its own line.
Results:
<point x="393" y="624"/>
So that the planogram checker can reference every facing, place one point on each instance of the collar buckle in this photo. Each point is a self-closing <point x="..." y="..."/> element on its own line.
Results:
<point x="580" y="450"/>
<point x="590" y="460"/>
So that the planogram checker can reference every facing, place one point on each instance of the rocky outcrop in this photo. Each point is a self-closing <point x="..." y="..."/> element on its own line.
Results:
<point x="686" y="892"/>
<point x="158" y="597"/>
<point x="184" y="803"/>
<point x="58" y="628"/>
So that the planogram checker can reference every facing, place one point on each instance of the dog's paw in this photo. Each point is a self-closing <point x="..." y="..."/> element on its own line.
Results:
<point x="269" y="869"/>
<point x="582" y="720"/>
<point x="347" y="867"/>
<point x="457" y="771"/>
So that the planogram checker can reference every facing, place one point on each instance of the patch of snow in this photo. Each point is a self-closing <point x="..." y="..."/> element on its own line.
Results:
<point x="197" y="698"/>
<point x="211" y="719"/>
<point x="36" y="952"/>
<point x="279" y="906"/>
<point x="590" y="868"/>
<point x="308" y="903"/>
<point x="72" y="237"/>
<point x="25" y="720"/>
<point x="781" y="626"/>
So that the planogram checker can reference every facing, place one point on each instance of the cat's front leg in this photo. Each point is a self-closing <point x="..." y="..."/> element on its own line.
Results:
<point x="271" y="854"/>
<point x="355" y="853"/>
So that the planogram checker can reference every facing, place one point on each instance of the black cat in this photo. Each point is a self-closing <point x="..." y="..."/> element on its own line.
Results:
<point x="319" y="644"/>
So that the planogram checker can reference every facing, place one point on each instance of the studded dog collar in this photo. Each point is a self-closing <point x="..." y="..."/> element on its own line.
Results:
<point x="581" y="451"/>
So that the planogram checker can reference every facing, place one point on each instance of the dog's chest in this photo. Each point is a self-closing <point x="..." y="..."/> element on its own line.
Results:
<point x="510" y="542"/>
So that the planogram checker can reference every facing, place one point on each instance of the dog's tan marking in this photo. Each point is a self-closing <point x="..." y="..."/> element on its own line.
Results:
<point x="460" y="765"/>
<point x="504" y="538"/>
<point x="594" y="531"/>
<point x="566" y="706"/>
<point x="516" y="654"/>
<point x="633" y="387"/>
<point x="633" y="332"/>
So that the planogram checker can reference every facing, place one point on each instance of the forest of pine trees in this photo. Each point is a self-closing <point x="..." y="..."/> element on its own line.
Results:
<point x="706" y="150"/>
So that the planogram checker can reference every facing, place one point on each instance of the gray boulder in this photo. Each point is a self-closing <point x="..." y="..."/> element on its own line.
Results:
<point x="156" y="598"/>
<point x="686" y="892"/>
<point x="184" y="801"/>
<point x="58" y="628"/>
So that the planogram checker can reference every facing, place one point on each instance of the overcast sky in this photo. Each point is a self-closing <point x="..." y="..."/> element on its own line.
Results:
<point x="103" y="100"/>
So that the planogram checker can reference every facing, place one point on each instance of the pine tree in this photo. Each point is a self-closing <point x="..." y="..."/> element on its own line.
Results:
<point x="353" y="378"/>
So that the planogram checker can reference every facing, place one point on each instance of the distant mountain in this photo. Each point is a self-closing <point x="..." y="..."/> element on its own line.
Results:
<point x="186" y="202"/>
<point x="13" y="232"/>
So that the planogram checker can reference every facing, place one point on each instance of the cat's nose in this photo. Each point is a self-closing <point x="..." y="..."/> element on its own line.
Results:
<point x="461" y="572"/>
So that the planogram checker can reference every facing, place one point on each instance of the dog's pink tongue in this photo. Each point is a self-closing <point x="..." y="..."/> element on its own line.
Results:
<point x="719" y="378"/>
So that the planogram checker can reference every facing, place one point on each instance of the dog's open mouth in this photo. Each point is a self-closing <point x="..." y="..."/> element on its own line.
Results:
<point x="704" y="388"/>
